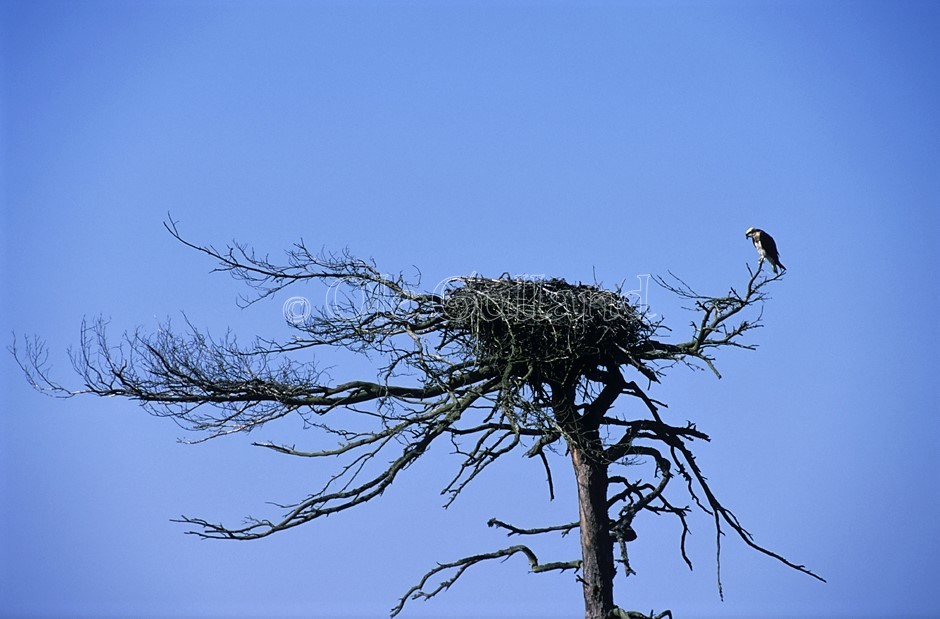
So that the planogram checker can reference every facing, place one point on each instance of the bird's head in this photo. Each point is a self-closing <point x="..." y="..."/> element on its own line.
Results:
<point x="751" y="232"/>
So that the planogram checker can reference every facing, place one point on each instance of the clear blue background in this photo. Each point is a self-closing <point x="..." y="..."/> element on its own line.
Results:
<point x="610" y="141"/>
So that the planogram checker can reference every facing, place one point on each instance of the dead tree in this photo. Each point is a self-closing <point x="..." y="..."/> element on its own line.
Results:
<point x="492" y="366"/>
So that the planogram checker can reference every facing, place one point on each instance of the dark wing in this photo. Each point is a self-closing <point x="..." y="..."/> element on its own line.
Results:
<point x="769" y="246"/>
<point x="770" y="249"/>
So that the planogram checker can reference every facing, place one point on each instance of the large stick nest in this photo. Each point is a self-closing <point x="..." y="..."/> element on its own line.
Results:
<point x="545" y="329"/>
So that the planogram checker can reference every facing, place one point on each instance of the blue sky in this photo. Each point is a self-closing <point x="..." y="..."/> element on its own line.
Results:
<point x="604" y="140"/>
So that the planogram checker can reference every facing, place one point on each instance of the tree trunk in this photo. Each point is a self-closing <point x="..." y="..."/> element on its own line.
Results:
<point x="590" y="470"/>
<point x="597" y="553"/>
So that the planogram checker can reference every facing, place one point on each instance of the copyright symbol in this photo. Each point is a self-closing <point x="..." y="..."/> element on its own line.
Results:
<point x="297" y="310"/>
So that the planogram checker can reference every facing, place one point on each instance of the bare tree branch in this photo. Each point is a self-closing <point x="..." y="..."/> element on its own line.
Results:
<point x="564" y="529"/>
<point x="461" y="565"/>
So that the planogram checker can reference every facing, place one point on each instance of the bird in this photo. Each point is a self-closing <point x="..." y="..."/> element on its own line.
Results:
<point x="766" y="247"/>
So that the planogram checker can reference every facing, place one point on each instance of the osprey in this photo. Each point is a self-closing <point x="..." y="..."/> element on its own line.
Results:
<point x="765" y="247"/>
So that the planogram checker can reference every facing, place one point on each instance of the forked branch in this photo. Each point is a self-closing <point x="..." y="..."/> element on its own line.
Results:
<point x="458" y="567"/>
